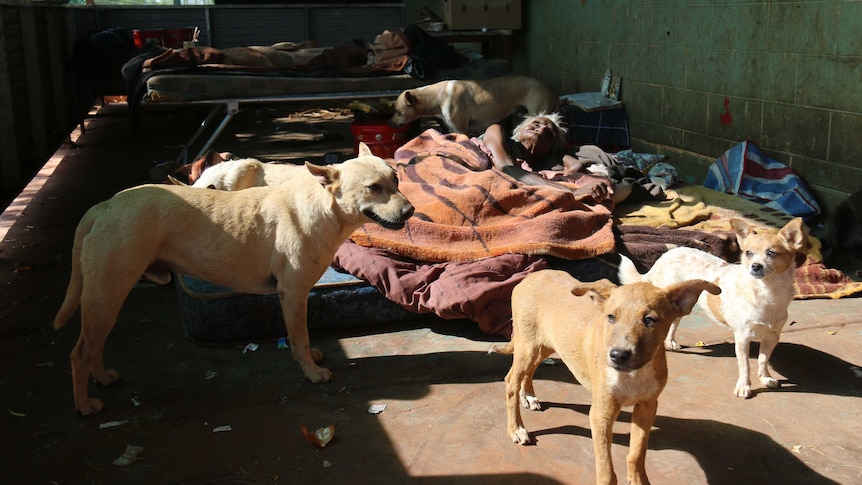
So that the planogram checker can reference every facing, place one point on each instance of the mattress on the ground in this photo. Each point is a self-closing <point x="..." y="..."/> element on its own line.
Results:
<point x="188" y="86"/>
<point x="215" y="314"/>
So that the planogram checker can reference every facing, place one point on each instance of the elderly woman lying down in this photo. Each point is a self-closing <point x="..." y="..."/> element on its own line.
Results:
<point x="535" y="155"/>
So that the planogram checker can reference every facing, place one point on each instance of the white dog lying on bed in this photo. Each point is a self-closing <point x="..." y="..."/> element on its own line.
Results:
<point x="243" y="173"/>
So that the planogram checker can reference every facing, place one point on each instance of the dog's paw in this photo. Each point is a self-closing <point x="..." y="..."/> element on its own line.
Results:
<point x="316" y="354"/>
<point x="638" y="478"/>
<point x="770" y="382"/>
<point x="318" y="375"/>
<point x="92" y="406"/>
<point x="672" y="345"/>
<point x="532" y="403"/>
<point x="520" y="436"/>
<point x="110" y="377"/>
<point x="743" y="391"/>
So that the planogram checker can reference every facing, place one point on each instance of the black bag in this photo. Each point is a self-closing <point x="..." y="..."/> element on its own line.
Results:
<point x="428" y="54"/>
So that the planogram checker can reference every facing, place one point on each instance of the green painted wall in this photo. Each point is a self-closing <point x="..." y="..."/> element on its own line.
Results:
<point x="790" y="73"/>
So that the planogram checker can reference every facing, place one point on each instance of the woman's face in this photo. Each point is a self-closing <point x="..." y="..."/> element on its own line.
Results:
<point x="538" y="137"/>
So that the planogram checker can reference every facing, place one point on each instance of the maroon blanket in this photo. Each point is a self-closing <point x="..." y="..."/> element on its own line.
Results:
<point x="475" y="290"/>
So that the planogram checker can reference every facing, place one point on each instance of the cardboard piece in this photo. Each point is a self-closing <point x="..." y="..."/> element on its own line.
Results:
<point x="590" y="102"/>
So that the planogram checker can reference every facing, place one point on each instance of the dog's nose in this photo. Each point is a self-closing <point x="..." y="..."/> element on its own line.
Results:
<point x="620" y="357"/>
<point x="756" y="268"/>
<point x="407" y="212"/>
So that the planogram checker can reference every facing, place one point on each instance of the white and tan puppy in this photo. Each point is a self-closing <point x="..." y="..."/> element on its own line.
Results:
<point x="243" y="173"/>
<point x="755" y="293"/>
<point x="262" y="240"/>
<point x="610" y="338"/>
<point x="472" y="106"/>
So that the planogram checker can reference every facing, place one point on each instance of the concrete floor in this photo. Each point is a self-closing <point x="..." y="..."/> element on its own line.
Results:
<point x="444" y="419"/>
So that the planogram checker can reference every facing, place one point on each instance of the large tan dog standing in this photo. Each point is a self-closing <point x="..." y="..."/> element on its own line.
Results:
<point x="472" y="106"/>
<point x="275" y="239"/>
<point x="756" y="293"/>
<point x="610" y="338"/>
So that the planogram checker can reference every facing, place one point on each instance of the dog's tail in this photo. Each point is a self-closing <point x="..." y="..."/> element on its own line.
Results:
<point x="506" y="349"/>
<point x="628" y="272"/>
<point x="76" y="280"/>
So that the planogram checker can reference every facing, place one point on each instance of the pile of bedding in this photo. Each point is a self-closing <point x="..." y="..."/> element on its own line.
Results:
<point x="477" y="233"/>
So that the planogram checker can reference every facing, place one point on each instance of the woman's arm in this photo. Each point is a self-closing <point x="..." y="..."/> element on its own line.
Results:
<point x="496" y="142"/>
<point x="573" y="165"/>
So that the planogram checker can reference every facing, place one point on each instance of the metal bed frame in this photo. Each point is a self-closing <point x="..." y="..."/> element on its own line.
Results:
<point x="230" y="108"/>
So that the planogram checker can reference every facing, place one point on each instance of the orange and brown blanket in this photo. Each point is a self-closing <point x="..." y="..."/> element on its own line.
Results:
<point x="465" y="211"/>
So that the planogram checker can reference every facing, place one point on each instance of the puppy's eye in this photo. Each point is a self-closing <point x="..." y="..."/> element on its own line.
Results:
<point x="749" y="254"/>
<point x="771" y="253"/>
<point x="612" y="318"/>
<point x="374" y="188"/>
<point x="650" y="321"/>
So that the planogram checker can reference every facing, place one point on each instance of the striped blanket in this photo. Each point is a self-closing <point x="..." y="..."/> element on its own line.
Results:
<point x="746" y="171"/>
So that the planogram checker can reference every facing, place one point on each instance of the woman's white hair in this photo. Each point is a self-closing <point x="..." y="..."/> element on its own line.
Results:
<point x="555" y="118"/>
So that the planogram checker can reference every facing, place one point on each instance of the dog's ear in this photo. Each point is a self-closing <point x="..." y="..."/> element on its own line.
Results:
<point x="794" y="234"/>
<point x="326" y="175"/>
<point x="685" y="294"/>
<point x="598" y="298"/>
<point x="741" y="229"/>
<point x="603" y="285"/>
<point x="364" y="151"/>
<point x="598" y="291"/>
<point x="410" y="98"/>
<point x="176" y="181"/>
<point x="210" y="158"/>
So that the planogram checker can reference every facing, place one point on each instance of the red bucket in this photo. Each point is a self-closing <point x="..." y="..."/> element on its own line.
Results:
<point x="144" y="37"/>
<point x="381" y="138"/>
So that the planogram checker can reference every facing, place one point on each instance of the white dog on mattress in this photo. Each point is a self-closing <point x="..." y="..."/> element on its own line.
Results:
<point x="243" y="173"/>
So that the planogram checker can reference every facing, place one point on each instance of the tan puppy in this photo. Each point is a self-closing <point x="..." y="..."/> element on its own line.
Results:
<point x="610" y="338"/>
<point x="755" y="294"/>
<point x="263" y="240"/>
<point x="472" y="106"/>
<point x="243" y="173"/>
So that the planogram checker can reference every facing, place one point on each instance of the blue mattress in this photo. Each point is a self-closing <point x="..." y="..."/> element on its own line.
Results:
<point x="216" y="314"/>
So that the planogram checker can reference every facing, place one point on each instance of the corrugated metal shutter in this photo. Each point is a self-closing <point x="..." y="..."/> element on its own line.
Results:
<point x="229" y="26"/>
<point x="149" y="18"/>
<point x="335" y="25"/>
<point x="261" y="26"/>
